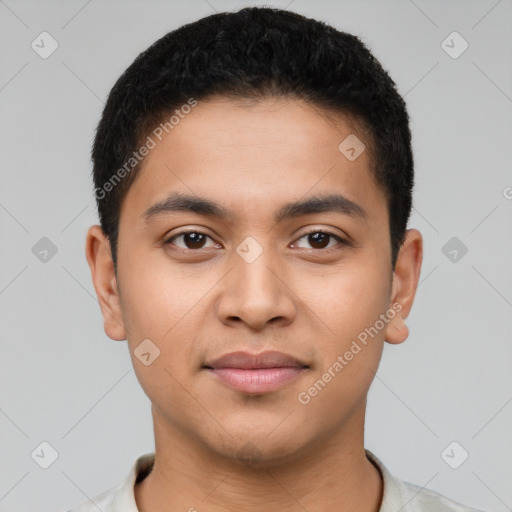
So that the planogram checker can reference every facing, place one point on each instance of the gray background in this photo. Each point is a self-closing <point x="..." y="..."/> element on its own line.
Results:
<point x="63" y="381"/>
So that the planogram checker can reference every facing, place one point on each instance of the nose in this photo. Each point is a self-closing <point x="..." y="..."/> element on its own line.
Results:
<point x="256" y="294"/>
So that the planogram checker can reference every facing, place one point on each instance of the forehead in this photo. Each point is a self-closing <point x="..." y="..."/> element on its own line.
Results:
<point x="251" y="156"/>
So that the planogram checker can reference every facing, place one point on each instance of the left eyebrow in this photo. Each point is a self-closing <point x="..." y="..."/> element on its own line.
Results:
<point x="322" y="204"/>
<point x="178" y="202"/>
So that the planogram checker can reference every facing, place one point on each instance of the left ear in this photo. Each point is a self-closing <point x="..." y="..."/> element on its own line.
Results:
<point x="405" y="282"/>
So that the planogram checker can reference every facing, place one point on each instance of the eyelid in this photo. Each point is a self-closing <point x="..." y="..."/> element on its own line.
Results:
<point x="188" y="228"/>
<point x="327" y="230"/>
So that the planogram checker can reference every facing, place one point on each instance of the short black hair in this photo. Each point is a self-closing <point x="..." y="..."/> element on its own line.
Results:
<point x="253" y="53"/>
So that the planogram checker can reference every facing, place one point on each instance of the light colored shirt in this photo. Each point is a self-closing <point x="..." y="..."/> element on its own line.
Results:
<point x="398" y="495"/>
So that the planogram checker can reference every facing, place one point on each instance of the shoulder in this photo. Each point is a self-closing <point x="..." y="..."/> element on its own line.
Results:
<point x="120" y="498"/>
<point x="402" y="495"/>
<point x="101" y="502"/>
<point x="426" y="500"/>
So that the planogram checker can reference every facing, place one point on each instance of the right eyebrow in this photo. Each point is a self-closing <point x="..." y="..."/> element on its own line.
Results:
<point x="177" y="202"/>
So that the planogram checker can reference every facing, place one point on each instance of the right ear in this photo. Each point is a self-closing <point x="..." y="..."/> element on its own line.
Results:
<point x="99" y="257"/>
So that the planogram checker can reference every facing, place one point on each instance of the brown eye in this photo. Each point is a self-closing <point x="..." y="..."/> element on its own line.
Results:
<point x="189" y="240"/>
<point x="321" y="239"/>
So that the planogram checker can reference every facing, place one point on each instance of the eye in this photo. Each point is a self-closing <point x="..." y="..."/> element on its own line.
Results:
<point x="190" y="240"/>
<point x="321" y="239"/>
<point x="194" y="239"/>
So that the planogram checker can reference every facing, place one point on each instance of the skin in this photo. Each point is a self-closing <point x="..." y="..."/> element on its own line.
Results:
<point x="218" y="448"/>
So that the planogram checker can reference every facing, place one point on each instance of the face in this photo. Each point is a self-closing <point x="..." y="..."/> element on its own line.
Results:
<point x="255" y="307"/>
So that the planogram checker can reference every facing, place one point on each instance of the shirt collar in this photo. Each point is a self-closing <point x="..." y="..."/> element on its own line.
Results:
<point x="124" y="497"/>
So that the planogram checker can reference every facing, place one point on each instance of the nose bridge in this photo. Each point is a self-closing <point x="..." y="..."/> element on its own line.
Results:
<point x="253" y="277"/>
<point x="254" y="291"/>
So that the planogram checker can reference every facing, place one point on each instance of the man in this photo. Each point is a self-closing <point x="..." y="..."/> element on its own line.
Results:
<point x="254" y="176"/>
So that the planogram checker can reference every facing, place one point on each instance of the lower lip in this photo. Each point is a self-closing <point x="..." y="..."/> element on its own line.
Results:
<point x="260" y="380"/>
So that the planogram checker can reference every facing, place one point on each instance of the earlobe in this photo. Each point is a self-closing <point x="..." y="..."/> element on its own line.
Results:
<point x="397" y="330"/>
<point x="99" y="257"/>
<point x="405" y="283"/>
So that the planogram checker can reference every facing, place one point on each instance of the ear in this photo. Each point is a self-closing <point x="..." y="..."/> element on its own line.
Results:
<point x="99" y="257"/>
<point x="405" y="282"/>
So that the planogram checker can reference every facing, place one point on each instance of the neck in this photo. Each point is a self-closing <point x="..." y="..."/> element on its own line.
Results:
<point x="332" y="474"/>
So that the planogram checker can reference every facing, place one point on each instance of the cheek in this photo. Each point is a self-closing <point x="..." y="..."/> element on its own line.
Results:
<point x="348" y="310"/>
<point x="348" y="299"/>
<point x="154" y="298"/>
<point x="349" y="355"/>
<point x="158" y="307"/>
<point x="163" y="305"/>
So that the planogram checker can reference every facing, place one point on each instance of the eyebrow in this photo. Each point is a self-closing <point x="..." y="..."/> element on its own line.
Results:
<point x="178" y="202"/>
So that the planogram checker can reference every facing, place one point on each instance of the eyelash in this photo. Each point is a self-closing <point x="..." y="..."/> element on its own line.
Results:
<point x="340" y="240"/>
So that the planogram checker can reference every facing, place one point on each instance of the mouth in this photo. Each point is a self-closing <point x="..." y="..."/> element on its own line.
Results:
<point x="256" y="373"/>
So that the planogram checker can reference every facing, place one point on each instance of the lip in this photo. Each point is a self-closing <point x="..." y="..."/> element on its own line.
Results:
<point x="256" y="373"/>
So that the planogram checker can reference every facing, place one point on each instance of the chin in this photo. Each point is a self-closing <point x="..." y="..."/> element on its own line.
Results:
<point x="253" y="451"/>
<point x="250" y="456"/>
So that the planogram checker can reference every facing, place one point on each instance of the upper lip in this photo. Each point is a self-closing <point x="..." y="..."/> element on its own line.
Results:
<point x="248" y="361"/>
